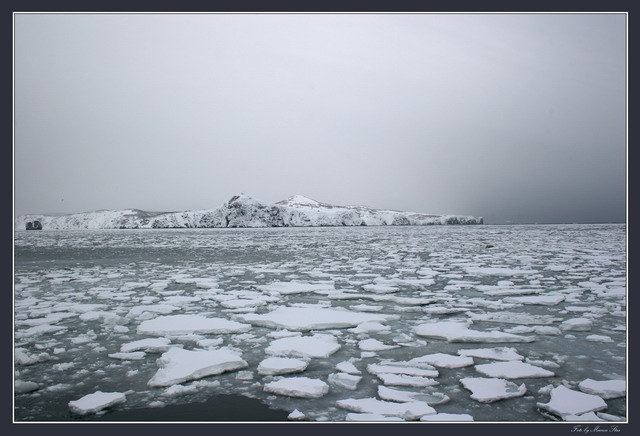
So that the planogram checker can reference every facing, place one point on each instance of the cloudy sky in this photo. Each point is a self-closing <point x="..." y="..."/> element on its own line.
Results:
<point x="513" y="117"/>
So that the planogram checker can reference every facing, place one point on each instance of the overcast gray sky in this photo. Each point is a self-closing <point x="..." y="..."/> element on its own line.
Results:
<point x="512" y="117"/>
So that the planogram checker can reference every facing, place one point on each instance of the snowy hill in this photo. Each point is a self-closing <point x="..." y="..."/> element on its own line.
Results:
<point x="244" y="211"/>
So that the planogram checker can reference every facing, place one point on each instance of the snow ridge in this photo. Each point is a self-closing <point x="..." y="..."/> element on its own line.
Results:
<point x="244" y="211"/>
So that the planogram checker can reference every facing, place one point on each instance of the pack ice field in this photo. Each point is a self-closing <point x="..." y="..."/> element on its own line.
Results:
<point x="452" y="323"/>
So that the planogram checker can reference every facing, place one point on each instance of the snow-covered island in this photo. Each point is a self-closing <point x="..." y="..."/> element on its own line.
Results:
<point x="243" y="211"/>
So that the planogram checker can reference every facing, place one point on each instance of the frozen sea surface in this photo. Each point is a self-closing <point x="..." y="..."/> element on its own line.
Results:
<point x="84" y="301"/>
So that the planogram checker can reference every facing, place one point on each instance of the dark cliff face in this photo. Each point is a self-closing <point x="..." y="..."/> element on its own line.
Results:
<point x="249" y="213"/>
<point x="35" y="225"/>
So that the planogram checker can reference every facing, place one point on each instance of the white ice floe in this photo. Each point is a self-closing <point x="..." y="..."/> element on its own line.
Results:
<point x="347" y="381"/>
<point x="447" y="417"/>
<point x="348" y="367"/>
<point x="380" y="288"/>
<point x="39" y="330"/>
<point x="548" y="330"/>
<point x="134" y="355"/>
<point x="409" y="411"/>
<point x="589" y="416"/>
<point x="565" y="402"/>
<point x="371" y="326"/>
<point x="606" y="389"/>
<point x="576" y="324"/>
<point x="544" y="300"/>
<point x="300" y="387"/>
<point x="444" y="360"/>
<point x="497" y="271"/>
<point x="371" y="417"/>
<point x="503" y="353"/>
<point x="599" y="338"/>
<point x="374" y="345"/>
<point x="162" y="309"/>
<point x="23" y="387"/>
<point x="406" y="380"/>
<point x="281" y="365"/>
<point x="512" y="369"/>
<point x="95" y="402"/>
<point x="488" y="390"/>
<point x="178" y="365"/>
<point x="513" y="318"/>
<point x="401" y="396"/>
<point x="277" y="334"/>
<point x="459" y="331"/>
<point x="609" y="417"/>
<point x="376" y="369"/>
<point x="318" y="345"/>
<point x="242" y="303"/>
<point x="366" y="308"/>
<point x="510" y="292"/>
<point x="306" y="318"/>
<point x="150" y="345"/>
<point x="190" y="324"/>
<point x="296" y="287"/>
<point x="296" y="415"/>
<point x="176" y="390"/>
<point x="23" y="357"/>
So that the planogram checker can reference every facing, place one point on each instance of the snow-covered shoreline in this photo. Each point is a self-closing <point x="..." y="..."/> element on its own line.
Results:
<point x="243" y="211"/>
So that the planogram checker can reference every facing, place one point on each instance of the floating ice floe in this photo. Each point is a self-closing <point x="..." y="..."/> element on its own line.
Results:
<point x="565" y="402"/>
<point x="544" y="300"/>
<point x="22" y="357"/>
<point x="376" y="369"/>
<point x="547" y="331"/>
<point x="447" y="417"/>
<point x="371" y="326"/>
<point x="380" y="289"/>
<point x="295" y="287"/>
<point x="409" y="411"/>
<point x="458" y="331"/>
<point x="150" y="345"/>
<point x="513" y="318"/>
<point x="134" y="355"/>
<point x="318" y="345"/>
<point x="178" y="365"/>
<point x="306" y="318"/>
<point x="405" y="380"/>
<point x="510" y="292"/>
<point x="23" y="387"/>
<point x="374" y="345"/>
<point x="512" y="369"/>
<point x="241" y="303"/>
<point x="39" y="330"/>
<point x="497" y="271"/>
<point x="488" y="390"/>
<point x="606" y="389"/>
<point x="599" y="338"/>
<point x="443" y="360"/>
<point x="401" y="396"/>
<point x="348" y="367"/>
<point x="162" y="309"/>
<point x="296" y="415"/>
<point x="371" y="417"/>
<point x="300" y="387"/>
<point x="347" y="381"/>
<point x="576" y="324"/>
<point x="190" y="324"/>
<point x="281" y="365"/>
<point x="176" y="390"/>
<point x="95" y="402"/>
